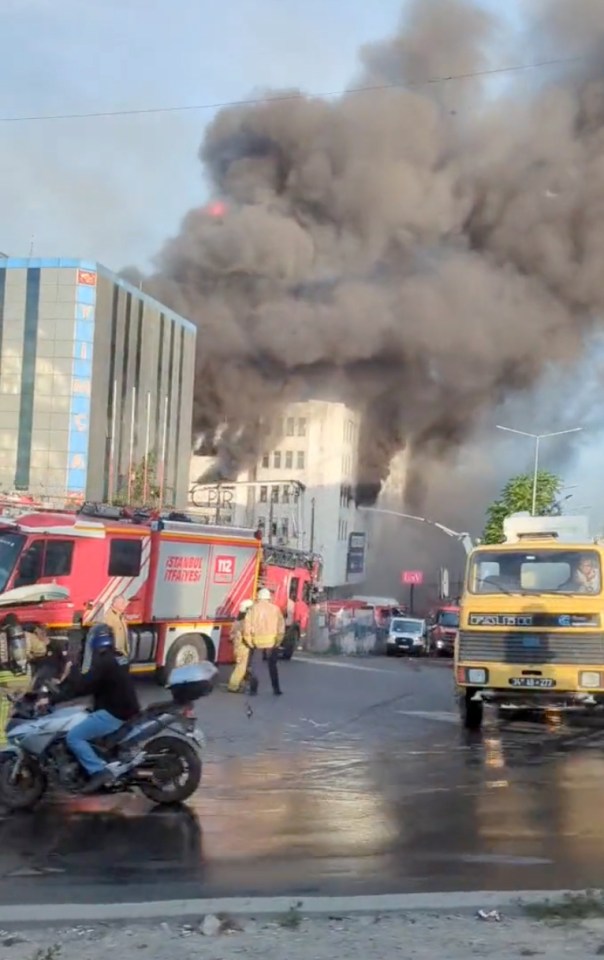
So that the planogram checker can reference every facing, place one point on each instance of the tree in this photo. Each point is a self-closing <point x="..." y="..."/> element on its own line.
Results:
<point x="136" y="497"/>
<point x="517" y="496"/>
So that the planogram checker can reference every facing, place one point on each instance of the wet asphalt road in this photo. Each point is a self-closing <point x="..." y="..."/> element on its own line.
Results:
<point x="357" y="780"/>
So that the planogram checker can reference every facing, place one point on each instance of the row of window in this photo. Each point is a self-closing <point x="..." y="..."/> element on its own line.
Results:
<point x="279" y="528"/>
<point x="285" y="494"/>
<point x="346" y="495"/>
<point x="349" y="431"/>
<point x="54" y="558"/>
<point x="346" y="465"/>
<point x="295" y="427"/>
<point x="287" y="460"/>
<point x="342" y="529"/>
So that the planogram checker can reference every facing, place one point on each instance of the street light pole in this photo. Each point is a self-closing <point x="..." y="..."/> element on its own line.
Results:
<point x="537" y="437"/>
<point x="464" y="538"/>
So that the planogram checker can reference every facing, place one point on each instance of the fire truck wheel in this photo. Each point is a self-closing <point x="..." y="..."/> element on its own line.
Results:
<point x="471" y="711"/>
<point x="189" y="649"/>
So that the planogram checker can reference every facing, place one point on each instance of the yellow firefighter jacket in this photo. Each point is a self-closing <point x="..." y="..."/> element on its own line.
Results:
<point x="264" y="625"/>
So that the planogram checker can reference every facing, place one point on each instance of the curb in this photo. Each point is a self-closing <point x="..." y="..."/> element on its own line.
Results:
<point x="56" y="913"/>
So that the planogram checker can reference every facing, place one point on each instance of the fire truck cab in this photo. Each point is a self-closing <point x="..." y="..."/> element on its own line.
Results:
<point x="182" y="581"/>
<point x="293" y="577"/>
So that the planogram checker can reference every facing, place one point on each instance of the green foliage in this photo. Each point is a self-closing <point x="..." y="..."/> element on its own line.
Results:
<point x="517" y="496"/>
<point x="137" y="496"/>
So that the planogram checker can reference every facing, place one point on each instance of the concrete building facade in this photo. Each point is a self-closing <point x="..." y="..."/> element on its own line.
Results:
<point x="301" y="491"/>
<point x="94" y="376"/>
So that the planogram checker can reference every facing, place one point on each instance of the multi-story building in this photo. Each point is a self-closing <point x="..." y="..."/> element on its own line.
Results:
<point x="96" y="378"/>
<point x="301" y="491"/>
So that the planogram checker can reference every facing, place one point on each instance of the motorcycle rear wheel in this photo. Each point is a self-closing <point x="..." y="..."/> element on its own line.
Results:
<point x="28" y="787"/>
<point x="176" y="766"/>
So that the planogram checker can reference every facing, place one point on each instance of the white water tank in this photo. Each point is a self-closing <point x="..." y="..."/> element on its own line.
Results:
<point x="522" y="526"/>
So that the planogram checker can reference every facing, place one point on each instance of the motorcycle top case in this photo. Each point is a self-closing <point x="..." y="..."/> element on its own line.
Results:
<point x="192" y="682"/>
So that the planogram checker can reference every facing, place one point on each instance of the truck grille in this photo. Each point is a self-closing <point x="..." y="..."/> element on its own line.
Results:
<point x="565" y="648"/>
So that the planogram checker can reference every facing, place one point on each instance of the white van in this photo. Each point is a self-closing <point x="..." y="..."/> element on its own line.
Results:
<point x="407" y="635"/>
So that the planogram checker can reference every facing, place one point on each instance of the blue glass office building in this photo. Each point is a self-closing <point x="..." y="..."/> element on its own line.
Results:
<point x="93" y="374"/>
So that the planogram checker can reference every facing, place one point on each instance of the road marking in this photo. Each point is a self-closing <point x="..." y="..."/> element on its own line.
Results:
<point x="344" y="666"/>
<point x="431" y="715"/>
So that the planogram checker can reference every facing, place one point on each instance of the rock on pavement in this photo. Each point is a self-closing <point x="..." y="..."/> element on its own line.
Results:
<point x="418" y="936"/>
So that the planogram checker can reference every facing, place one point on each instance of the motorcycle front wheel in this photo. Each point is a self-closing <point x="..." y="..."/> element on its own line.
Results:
<point x="23" y="790"/>
<point x="176" y="768"/>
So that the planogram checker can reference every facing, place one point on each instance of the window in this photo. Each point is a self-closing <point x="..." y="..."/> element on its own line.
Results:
<point x="266" y="461"/>
<point x="261" y="523"/>
<point x="536" y="571"/>
<point x="58" y="558"/>
<point x="30" y="566"/>
<point x="263" y="494"/>
<point x="125" y="557"/>
<point x="273" y="529"/>
<point x="294" y="584"/>
<point x="302" y="427"/>
<point x="10" y="547"/>
<point x="285" y="494"/>
<point x="300" y="460"/>
<point x="289" y="459"/>
<point x="285" y="528"/>
<point x="274" y="494"/>
<point x="289" y="430"/>
<point x="277" y="459"/>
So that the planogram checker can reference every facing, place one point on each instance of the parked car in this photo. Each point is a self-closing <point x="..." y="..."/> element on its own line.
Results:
<point x="407" y="635"/>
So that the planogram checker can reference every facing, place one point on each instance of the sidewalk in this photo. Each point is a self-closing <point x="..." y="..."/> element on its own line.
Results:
<point x="419" y="936"/>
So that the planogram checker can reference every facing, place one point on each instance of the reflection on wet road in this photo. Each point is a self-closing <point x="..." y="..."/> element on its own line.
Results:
<point x="364" y="785"/>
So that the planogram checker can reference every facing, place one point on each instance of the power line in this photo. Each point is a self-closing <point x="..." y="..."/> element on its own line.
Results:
<point x="255" y="101"/>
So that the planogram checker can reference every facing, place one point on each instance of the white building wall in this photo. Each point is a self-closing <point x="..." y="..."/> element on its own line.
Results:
<point x="301" y="490"/>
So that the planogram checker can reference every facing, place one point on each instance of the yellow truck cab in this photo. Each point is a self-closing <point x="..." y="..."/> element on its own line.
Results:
<point x="532" y="620"/>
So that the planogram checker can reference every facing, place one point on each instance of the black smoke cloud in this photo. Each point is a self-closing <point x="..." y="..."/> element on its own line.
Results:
<point x="423" y="250"/>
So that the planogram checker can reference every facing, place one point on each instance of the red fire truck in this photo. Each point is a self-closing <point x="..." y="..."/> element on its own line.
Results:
<point x="444" y="630"/>
<point x="293" y="577"/>
<point x="183" y="581"/>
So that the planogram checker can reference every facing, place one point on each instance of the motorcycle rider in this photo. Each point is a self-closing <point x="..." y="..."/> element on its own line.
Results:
<point x="240" y="651"/>
<point x="115" y="702"/>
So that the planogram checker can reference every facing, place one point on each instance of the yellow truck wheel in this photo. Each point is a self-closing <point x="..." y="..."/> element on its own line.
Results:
<point x="471" y="711"/>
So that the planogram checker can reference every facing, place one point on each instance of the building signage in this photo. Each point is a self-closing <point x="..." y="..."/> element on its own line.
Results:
<point x="87" y="278"/>
<point x="355" y="562"/>
<point x="224" y="569"/>
<point x="413" y="578"/>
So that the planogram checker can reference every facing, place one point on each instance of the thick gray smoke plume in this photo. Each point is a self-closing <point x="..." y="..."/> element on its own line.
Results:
<point x="423" y="250"/>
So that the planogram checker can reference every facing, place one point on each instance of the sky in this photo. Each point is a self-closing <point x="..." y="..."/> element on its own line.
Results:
<point x="112" y="188"/>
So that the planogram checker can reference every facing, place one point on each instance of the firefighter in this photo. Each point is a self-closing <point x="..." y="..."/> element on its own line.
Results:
<point x="241" y="652"/>
<point x="14" y="669"/>
<point x="116" y="621"/>
<point x="264" y="629"/>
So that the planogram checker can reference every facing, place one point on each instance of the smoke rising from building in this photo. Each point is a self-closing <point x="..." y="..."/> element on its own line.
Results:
<point x="424" y="250"/>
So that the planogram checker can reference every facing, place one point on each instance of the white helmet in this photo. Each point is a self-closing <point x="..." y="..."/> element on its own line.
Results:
<point x="245" y="605"/>
<point x="264" y="594"/>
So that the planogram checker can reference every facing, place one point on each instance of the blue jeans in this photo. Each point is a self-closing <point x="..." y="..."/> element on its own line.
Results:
<point x="98" y="724"/>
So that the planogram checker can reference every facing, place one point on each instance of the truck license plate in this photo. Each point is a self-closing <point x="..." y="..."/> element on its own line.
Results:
<point x="534" y="683"/>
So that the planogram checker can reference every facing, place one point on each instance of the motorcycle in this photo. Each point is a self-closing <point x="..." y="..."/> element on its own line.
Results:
<point x="158" y="752"/>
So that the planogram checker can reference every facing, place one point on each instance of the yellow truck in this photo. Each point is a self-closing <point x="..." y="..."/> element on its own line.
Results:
<point x="531" y="632"/>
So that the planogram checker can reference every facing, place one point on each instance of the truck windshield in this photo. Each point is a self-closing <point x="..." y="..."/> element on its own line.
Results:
<point x="535" y="571"/>
<point x="11" y="545"/>
<point x="448" y="618"/>
<point x="406" y="626"/>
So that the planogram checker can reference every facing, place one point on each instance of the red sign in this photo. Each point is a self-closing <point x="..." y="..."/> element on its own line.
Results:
<point x="224" y="569"/>
<point x="183" y="570"/>
<point x="87" y="278"/>
<point x="414" y="578"/>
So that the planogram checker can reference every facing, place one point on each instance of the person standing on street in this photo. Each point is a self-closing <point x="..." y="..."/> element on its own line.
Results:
<point x="116" y="621"/>
<point x="264" y="629"/>
<point x="240" y="651"/>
